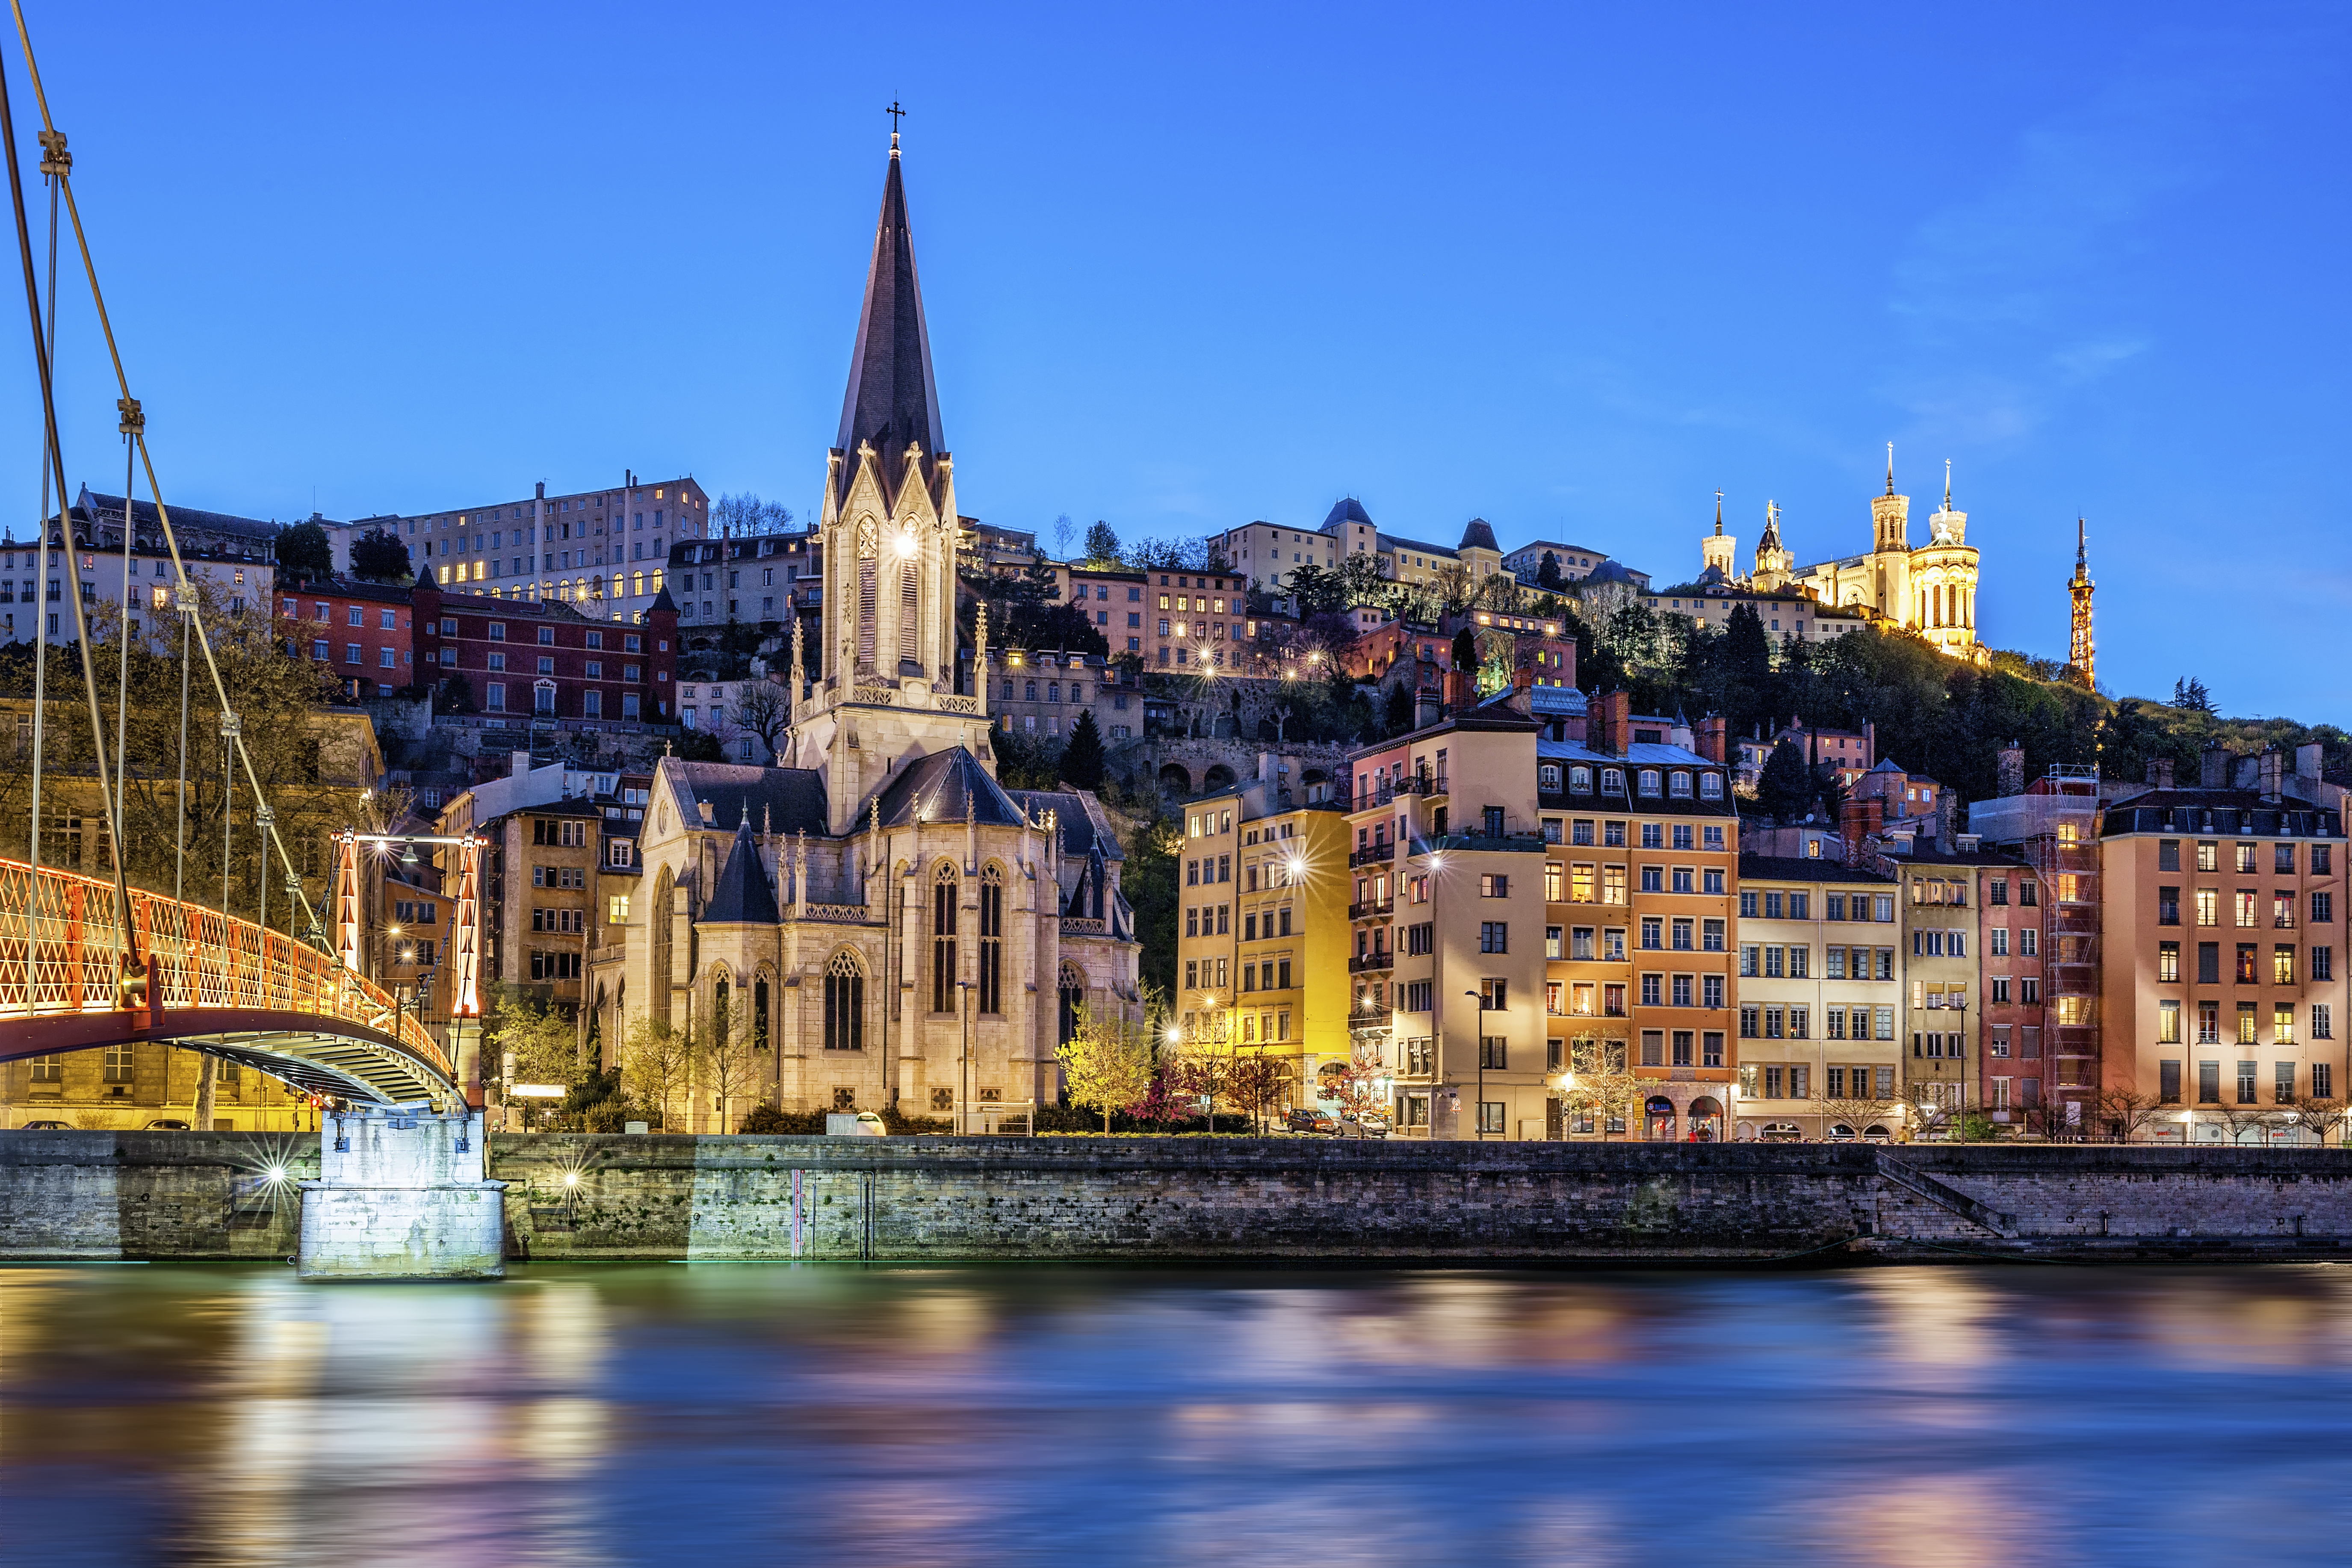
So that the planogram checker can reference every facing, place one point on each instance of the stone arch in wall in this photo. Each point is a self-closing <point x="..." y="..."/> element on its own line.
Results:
<point x="1175" y="779"/>
<point x="1219" y="776"/>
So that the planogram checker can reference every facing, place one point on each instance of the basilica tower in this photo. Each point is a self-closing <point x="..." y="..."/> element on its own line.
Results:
<point x="1774" y="561"/>
<point x="887" y="695"/>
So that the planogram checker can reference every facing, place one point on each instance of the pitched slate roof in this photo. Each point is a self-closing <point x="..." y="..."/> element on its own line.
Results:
<point x="743" y="896"/>
<point x="891" y="399"/>
<point x="781" y="800"/>
<point x="1347" y="509"/>
<point x="1479" y="536"/>
<point x="938" y="788"/>
<point x="1085" y="824"/>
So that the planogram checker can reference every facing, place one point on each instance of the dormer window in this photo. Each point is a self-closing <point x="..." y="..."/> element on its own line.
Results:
<point x="1649" y="781"/>
<point x="1579" y="780"/>
<point x="1547" y="778"/>
<point x="1613" y="780"/>
<point x="1710" y="787"/>
<point x="1678" y="784"/>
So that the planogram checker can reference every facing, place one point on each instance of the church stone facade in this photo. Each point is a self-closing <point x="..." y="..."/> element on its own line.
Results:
<point x="892" y="925"/>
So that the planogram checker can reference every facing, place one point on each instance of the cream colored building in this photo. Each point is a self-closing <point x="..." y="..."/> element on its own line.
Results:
<point x="1819" y="1001"/>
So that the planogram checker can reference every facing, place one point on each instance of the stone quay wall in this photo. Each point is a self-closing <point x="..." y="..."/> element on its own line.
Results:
<point x="195" y="1195"/>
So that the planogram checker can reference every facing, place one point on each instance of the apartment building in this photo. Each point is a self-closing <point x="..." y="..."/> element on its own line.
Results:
<point x="2222" y="986"/>
<point x="760" y="580"/>
<point x="234" y="555"/>
<point x="543" y="658"/>
<point x="1940" y="961"/>
<point x="1268" y="976"/>
<point x="1116" y="602"/>
<point x="1448" y="815"/>
<point x="364" y="634"/>
<point x="605" y="551"/>
<point x="1041" y="694"/>
<point x="1192" y="619"/>
<point x="1575" y="561"/>
<point x="1789" y="615"/>
<point x="2014" y="1019"/>
<point x="1642" y="877"/>
<point x="1819" y="1052"/>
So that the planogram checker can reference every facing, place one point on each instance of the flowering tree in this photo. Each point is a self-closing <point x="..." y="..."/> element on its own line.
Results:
<point x="1107" y="1062"/>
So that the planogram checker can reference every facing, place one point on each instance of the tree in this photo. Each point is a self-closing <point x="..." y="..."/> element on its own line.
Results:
<point x="2126" y="1113"/>
<point x="1357" y="1084"/>
<point x="1398" y="717"/>
<point x="1102" y="546"/>
<point x="656" y="1061"/>
<point x="746" y="513"/>
<point x="2190" y="695"/>
<point x="1547" y="575"/>
<point x="1063" y="529"/>
<point x="1601" y="1086"/>
<point x="543" y="1042"/>
<point x="1082" y="758"/>
<point x="1258" y="1083"/>
<point x="1785" y="788"/>
<point x="1466" y="651"/>
<point x="304" y="554"/>
<point x="1860" y="1112"/>
<point x="379" y="557"/>
<point x="765" y="710"/>
<point x="731" y="1059"/>
<point x="1107" y="1062"/>
<point x="2320" y="1117"/>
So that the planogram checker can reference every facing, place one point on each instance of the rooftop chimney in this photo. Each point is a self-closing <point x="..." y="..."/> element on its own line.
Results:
<point x="2159" y="771"/>
<point x="1712" y="738"/>
<point x="2307" y="760"/>
<point x="1608" y="722"/>
<point x="1459" y="692"/>
<point x="543" y="489"/>
<point x="2274" y="763"/>
<point x="1427" y="709"/>
<point x="1859" y="820"/>
<point x="2214" y="767"/>
<point x="2012" y="769"/>
<point x="518" y="762"/>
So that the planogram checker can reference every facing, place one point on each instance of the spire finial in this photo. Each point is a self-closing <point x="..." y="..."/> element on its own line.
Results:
<point x="1948" y="484"/>
<point x="1890" y="467"/>
<point x="896" y="114"/>
<point x="1718" y="512"/>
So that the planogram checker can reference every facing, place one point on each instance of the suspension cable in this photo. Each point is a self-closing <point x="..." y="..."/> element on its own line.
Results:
<point x="57" y="468"/>
<point x="129" y="407"/>
<point x="55" y="160"/>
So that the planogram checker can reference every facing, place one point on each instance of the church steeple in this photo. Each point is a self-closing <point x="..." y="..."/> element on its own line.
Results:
<point x="892" y="400"/>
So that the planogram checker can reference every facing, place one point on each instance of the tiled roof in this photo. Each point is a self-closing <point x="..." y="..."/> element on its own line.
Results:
<point x="781" y="800"/>
<point x="941" y="787"/>
<point x="741" y="896"/>
<point x="1084" y="826"/>
<point x="1799" y="868"/>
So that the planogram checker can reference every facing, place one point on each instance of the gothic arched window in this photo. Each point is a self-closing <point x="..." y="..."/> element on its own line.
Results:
<point x="759" y="1014"/>
<point x="844" y="1003"/>
<point x="869" y="567"/>
<point x="945" y="892"/>
<point x="910" y="600"/>
<point x="720" y="995"/>
<point x="991" y="939"/>
<point x="1073" y="996"/>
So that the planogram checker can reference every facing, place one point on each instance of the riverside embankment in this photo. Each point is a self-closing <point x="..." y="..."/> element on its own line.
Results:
<point x="225" y="1195"/>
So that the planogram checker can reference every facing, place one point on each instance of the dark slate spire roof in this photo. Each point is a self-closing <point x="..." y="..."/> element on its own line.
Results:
<point x="743" y="896"/>
<point x="1478" y="536"/>
<point x="1349" y="510"/>
<point x="891" y="399"/>
<point x="937" y="786"/>
<point x="663" y="604"/>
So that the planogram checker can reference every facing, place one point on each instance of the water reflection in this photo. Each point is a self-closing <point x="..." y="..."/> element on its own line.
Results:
<point x="976" y="1416"/>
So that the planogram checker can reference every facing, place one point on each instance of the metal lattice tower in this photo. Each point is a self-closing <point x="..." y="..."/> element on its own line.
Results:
<point x="2081" y="652"/>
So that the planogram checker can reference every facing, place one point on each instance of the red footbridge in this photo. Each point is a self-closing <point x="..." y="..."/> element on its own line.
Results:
<point x="76" y="975"/>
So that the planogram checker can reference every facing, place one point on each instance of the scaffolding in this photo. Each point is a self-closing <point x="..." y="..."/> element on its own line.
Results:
<point x="2053" y="825"/>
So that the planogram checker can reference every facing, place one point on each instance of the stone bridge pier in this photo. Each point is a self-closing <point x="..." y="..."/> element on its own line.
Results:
<point x="402" y="1196"/>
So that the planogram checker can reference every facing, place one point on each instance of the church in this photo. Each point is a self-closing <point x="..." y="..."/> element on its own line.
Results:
<point x="893" y="927"/>
<point x="1929" y="589"/>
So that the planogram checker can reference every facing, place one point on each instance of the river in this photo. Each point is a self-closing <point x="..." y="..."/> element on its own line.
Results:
<point x="740" y="1414"/>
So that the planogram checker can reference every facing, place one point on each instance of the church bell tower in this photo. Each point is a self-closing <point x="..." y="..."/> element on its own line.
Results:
<point x="886" y="693"/>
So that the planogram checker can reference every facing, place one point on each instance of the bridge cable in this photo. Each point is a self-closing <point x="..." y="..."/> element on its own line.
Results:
<point x="129" y="407"/>
<point x="57" y="467"/>
<point x="49" y="163"/>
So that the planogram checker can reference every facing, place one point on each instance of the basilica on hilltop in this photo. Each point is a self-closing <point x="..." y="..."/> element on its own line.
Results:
<point x="1929" y="589"/>
<point x="892" y="927"/>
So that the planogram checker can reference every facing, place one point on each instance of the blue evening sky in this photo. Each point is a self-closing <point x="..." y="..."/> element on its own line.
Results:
<point x="1566" y="269"/>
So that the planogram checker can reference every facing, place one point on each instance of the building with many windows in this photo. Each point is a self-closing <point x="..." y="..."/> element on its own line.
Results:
<point x="1819" y="1001"/>
<point x="543" y="658"/>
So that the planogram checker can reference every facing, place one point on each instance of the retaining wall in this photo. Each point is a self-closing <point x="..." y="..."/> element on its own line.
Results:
<point x="195" y="1195"/>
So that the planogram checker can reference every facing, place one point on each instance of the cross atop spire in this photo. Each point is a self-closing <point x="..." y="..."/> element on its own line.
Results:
<point x="896" y="114"/>
<point x="1948" y="484"/>
<point x="1718" y="512"/>
<point x="1890" y="467"/>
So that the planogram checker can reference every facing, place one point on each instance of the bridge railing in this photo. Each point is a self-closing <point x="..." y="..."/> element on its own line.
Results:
<point x="61" y="952"/>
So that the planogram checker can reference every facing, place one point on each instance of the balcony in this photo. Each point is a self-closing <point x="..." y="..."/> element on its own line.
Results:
<point x="1431" y="785"/>
<point x="1379" y="908"/>
<point x="1378" y="853"/>
<point x="1379" y="958"/>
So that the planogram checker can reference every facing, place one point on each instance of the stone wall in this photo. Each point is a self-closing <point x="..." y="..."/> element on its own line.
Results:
<point x="196" y="1195"/>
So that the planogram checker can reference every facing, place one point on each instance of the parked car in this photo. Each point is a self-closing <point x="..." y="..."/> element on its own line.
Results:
<point x="167" y="1126"/>
<point x="47" y="1127"/>
<point x="1308" y="1119"/>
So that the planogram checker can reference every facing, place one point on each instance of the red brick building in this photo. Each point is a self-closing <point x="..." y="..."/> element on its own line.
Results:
<point x="542" y="658"/>
<point x="363" y="632"/>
